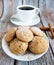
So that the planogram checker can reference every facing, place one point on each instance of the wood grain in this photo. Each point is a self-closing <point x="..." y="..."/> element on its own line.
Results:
<point x="45" y="20"/>
<point x="5" y="24"/>
<point x="1" y="8"/>
<point x="31" y="2"/>
<point x="16" y="3"/>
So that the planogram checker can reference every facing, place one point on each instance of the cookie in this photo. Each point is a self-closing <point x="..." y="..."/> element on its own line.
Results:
<point x="24" y="34"/>
<point x="18" y="47"/>
<point x="10" y="34"/>
<point x="36" y="31"/>
<point x="38" y="45"/>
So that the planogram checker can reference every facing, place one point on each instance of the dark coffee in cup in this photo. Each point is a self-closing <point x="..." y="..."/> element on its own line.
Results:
<point x="26" y="8"/>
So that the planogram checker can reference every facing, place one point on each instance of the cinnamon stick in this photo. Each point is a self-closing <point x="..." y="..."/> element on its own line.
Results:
<point x="46" y="28"/>
<point x="51" y="30"/>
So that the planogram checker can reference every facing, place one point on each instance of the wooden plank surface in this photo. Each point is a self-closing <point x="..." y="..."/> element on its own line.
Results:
<point x="16" y="3"/>
<point x="5" y="24"/>
<point x="46" y="7"/>
<point x="31" y="2"/>
<point x="4" y="59"/>
<point x="8" y="7"/>
<point x="1" y="8"/>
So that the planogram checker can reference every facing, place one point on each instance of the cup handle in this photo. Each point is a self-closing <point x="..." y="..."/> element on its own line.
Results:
<point x="37" y="11"/>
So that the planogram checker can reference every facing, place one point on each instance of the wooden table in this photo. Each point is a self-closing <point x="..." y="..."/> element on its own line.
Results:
<point x="8" y="8"/>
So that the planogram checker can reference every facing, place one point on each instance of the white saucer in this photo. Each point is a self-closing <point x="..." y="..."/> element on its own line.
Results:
<point x="23" y="57"/>
<point x="16" y="21"/>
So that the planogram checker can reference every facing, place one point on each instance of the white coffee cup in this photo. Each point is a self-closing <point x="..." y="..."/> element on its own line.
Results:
<point x="27" y="15"/>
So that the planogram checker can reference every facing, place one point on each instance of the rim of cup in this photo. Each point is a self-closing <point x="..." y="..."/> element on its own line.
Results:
<point x="26" y="6"/>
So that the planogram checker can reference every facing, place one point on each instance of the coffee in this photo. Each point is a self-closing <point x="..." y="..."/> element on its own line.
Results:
<point x="26" y="8"/>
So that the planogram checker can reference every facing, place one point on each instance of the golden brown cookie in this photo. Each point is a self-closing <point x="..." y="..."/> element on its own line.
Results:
<point x="38" y="45"/>
<point x="24" y="34"/>
<point x="36" y="31"/>
<point x="10" y="34"/>
<point x="18" y="47"/>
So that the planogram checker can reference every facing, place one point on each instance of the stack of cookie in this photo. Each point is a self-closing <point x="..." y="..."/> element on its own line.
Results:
<point x="22" y="38"/>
